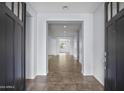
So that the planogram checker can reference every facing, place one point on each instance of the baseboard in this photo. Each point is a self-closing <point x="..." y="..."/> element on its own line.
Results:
<point x="30" y="77"/>
<point x="45" y="74"/>
<point x="87" y="74"/>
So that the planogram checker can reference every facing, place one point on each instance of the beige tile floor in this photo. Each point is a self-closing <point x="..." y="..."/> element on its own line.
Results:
<point x="64" y="75"/>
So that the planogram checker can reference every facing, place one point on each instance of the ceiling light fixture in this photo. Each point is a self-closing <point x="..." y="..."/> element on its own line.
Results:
<point x="65" y="7"/>
<point x="65" y="26"/>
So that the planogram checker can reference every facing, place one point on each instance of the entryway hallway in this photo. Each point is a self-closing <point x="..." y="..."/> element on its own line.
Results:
<point x="64" y="75"/>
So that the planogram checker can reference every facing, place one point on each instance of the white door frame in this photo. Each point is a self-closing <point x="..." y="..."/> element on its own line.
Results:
<point x="47" y="21"/>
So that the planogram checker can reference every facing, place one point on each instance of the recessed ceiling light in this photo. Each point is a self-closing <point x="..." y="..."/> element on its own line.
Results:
<point x="65" y="26"/>
<point x="65" y="7"/>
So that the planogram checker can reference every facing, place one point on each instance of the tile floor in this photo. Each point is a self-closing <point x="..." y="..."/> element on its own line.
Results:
<point x="64" y="75"/>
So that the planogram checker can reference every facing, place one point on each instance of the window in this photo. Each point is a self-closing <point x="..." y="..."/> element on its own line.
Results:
<point x="109" y="11"/>
<point x="114" y="9"/>
<point x="64" y="45"/>
<point x="121" y="6"/>
<point x="9" y="5"/>
<point x="20" y="11"/>
<point x="16" y="8"/>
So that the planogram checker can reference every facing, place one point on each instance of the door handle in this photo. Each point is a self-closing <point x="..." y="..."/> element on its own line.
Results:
<point x="105" y="62"/>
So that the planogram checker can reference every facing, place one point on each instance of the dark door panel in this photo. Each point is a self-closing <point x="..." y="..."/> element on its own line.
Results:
<point x="12" y="49"/>
<point x="114" y="34"/>
<point x="18" y="62"/>
<point x="2" y="52"/>
<point x="111" y="59"/>
<point x="120" y="53"/>
<point x="9" y="53"/>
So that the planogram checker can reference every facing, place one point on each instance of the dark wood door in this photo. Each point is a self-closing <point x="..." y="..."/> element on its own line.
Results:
<point x="111" y="59"/>
<point x="12" y="49"/>
<point x="9" y="23"/>
<point x="18" y="60"/>
<point x="114" y="26"/>
<point x="2" y="52"/>
<point x="120" y="53"/>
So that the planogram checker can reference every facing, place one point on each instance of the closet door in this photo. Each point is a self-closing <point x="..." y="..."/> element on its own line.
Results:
<point x="9" y="52"/>
<point x="6" y="52"/>
<point x="120" y="53"/>
<point x="2" y="51"/>
<point x="18" y="60"/>
<point x="12" y="52"/>
<point x="110" y="83"/>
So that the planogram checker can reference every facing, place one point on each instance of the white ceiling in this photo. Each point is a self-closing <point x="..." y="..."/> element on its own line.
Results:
<point x="56" y="7"/>
<point x="57" y="28"/>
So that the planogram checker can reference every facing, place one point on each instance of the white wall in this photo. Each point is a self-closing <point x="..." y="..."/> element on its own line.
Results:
<point x="31" y="43"/>
<point x="52" y="43"/>
<point x="42" y="39"/>
<point x="81" y="47"/>
<point x="99" y="44"/>
<point x="29" y="63"/>
<point x="75" y="46"/>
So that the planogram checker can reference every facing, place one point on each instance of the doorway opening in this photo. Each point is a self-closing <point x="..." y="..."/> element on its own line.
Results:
<point x="65" y="46"/>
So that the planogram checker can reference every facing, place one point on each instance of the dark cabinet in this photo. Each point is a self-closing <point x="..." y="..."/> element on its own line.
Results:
<point x="114" y="34"/>
<point x="12" y="46"/>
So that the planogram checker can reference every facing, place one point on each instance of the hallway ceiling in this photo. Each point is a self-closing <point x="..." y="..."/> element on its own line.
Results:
<point x="57" y="7"/>
<point x="57" y="28"/>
